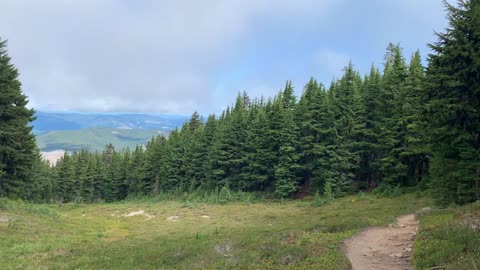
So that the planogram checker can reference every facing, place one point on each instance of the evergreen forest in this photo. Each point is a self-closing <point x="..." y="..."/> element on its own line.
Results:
<point x="406" y="124"/>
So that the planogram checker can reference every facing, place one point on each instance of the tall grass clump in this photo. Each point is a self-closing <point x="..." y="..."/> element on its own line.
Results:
<point x="449" y="239"/>
<point x="218" y="196"/>
<point x="20" y="206"/>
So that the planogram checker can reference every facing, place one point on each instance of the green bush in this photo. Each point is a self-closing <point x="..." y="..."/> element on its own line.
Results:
<point x="388" y="190"/>
<point x="326" y="199"/>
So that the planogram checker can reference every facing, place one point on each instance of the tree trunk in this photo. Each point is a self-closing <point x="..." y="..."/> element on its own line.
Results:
<point x="155" y="185"/>
<point x="477" y="184"/>
<point x="417" y="173"/>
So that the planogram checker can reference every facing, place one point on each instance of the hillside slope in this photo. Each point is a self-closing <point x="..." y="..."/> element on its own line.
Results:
<point x="47" y="121"/>
<point x="94" y="138"/>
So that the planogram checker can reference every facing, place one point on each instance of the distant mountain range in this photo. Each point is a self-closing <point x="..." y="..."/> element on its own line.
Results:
<point x="74" y="131"/>
<point x="47" y="121"/>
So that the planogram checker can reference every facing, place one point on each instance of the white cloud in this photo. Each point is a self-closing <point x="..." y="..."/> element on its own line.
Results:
<point x="132" y="55"/>
<point x="150" y="55"/>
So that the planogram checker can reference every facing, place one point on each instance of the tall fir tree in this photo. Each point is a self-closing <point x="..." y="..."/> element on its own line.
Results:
<point x="154" y="155"/>
<point x="17" y="143"/>
<point x="258" y="155"/>
<point x="344" y="153"/>
<point x="453" y="101"/>
<point x="196" y="151"/>
<point x="371" y="156"/>
<point x="306" y="117"/>
<point x="40" y="188"/>
<point x="392" y="131"/>
<point x="415" y="153"/>
<point x="282" y="134"/>
<point x="65" y="177"/>
<point x="208" y="141"/>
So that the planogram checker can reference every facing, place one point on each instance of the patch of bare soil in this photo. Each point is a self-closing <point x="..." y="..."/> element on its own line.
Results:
<point x="383" y="247"/>
<point x="173" y="218"/>
<point x="139" y="213"/>
<point x="4" y="219"/>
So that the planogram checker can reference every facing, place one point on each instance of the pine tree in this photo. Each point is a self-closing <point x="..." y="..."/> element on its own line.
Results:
<point x="195" y="122"/>
<point x="208" y="142"/>
<point x="121" y="184"/>
<point x="89" y="182"/>
<point x="282" y="136"/>
<point x="259" y="157"/>
<point x="372" y="103"/>
<point x="453" y="95"/>
<point x="80" y="167"/>
<point x="172" y="175"/>
<point x="415" y="152"/>
<point x="17" y="143"/>
<point x="230" y="147"/>
<point x="344" y="153"/>
<point x="99" y="177"/>
<point x="154" y="155"/>
<point x="40" y="187"/>
<point x="184" y="160"/>
<point x="112" y="161"/>
<point x="307" y="119"/>
<point x="392" y="127"/>
<point x="138" y="180"/>
<point x="218" y="153"/>
<point x="196" y="151"/>
<point x="288" y="97"/>
<point x="65" y="178"/>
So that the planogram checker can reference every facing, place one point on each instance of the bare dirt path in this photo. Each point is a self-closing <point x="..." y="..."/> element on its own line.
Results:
<point x="383" y="247"/>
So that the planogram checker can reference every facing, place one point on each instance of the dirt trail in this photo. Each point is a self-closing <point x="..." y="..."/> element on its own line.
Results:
<point x="383" y="247"/>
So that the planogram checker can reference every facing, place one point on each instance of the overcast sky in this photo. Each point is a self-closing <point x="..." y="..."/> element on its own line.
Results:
<point x="181" y="56"/>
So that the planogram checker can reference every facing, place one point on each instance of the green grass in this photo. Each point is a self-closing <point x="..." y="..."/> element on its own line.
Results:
<point x="93" y="139"/>
<point x="449" y="239"/>
<point x="261" y="235"/>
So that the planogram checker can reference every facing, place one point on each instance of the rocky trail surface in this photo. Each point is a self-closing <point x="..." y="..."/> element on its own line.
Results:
<point x="383" y="247"/>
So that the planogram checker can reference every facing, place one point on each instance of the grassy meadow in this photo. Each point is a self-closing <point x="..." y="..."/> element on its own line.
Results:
<point x="449" y="239"/>
<point x="178" y="235"/>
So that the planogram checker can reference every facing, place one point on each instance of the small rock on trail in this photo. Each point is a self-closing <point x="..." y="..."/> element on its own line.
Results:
<point x="383" y="247"/>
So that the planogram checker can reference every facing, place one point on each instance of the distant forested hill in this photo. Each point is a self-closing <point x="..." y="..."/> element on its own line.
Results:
<point x="94" y="138"/>
<point x="93" y="131"/>
<point x="47" y="121"/>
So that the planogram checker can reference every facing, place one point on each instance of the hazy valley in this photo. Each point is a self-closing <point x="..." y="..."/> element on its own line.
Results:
<point x="60" y="132"/>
